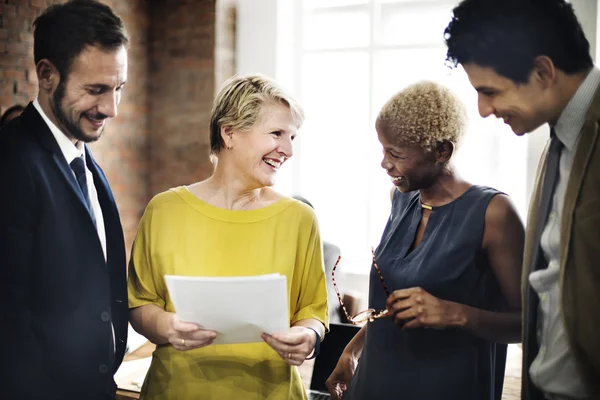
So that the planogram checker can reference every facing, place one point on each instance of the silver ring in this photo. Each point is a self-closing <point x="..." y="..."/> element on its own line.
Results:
<point x="183" y="342"/>
<point x="289" y="356"/>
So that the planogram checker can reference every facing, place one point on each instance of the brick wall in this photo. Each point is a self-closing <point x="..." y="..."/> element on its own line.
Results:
<point x="160" y="137"/>
<point x="18" y="82"/>
<point x="182" y="42"/>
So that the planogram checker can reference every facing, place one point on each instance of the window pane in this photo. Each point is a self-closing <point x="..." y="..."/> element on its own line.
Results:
<point x="333" y="174"/>
<point x="412" y="23"/>
<point x="393" y="70"/>
<point x="312" y="4"/>
<point x="337" y="162"/>
<point x="329" y="29"/>
<point x="379" y="190"/>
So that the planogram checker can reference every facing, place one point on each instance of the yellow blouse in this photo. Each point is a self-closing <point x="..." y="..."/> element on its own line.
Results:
<point x="180" y="234"/>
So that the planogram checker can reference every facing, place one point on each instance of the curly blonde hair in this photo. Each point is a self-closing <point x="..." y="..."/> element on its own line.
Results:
<point x="425" y="113"/>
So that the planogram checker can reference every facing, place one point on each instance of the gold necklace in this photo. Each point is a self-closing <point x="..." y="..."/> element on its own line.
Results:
<point x="427" y="206"/>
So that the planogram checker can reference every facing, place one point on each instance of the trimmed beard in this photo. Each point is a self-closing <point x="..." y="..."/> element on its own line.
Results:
<point x="69" y="127"/>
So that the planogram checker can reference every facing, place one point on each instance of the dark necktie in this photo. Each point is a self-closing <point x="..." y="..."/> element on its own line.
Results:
<point x="78" y="167"/>
<point x="550" y="179"/>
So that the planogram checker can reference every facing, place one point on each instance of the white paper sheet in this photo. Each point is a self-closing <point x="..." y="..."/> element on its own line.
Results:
<point x="239" y="309"/>
<point x="134" y="340"/>
<point x="131" y="374"/>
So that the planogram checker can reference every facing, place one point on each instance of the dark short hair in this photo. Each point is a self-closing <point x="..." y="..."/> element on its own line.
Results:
<point x="507" y="35"/>
<point x="10" y="110"/>
<point x="62" y="31"/>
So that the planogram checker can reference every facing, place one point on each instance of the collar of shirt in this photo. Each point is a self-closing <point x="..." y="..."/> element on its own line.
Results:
<point x="69" y="150"/>
<point x="572" y="118"/>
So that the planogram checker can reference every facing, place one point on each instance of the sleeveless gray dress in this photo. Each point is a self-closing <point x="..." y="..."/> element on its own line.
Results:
<point x="429" y="364"/>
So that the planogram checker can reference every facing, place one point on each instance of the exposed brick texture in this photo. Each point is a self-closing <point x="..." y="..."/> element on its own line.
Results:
<point x="183" y="80"/>
<point x="160" y="137"/>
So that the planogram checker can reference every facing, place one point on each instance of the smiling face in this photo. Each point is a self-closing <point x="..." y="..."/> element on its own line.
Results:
<point x="410" y="167"/>
<point x="524" y="107"/>
<point x="90" y="94"/>
<point x="259" y="152"/>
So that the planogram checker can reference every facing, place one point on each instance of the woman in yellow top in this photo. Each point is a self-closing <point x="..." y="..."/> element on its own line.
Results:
<point x="232" y="224"/>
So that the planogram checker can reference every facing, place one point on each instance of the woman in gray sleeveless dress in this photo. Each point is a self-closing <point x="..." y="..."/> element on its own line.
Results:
<point x="450" y="255"/>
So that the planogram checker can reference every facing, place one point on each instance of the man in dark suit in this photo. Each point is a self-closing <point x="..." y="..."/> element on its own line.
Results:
<point x="63" y="319"/>
<point x="530" y="63"/>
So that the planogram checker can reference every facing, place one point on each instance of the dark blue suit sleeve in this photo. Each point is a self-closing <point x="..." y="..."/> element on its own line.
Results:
<point x="23" y="375"/>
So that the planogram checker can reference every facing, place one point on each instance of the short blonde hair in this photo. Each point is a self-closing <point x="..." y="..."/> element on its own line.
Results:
<point x="425" y="113"/>
<point x="240" y="101"/>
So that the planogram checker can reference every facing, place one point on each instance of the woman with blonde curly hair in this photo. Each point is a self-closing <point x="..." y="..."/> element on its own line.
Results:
<point x="232" y="224"/>
<point x="450" y="255"/>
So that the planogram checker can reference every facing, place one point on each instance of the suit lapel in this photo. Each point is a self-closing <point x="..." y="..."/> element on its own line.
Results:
<point x="40" y="129"/>
<point x="583" y="153"/>
<point x="529" y="298"/>
<point x="115" y="252"/>
<point x="67" y="173"/>
<point x="533" y="214"/>
<point x="581" y="160"/>
<point x="100" y="182"/>
<point x="112" y="222"/>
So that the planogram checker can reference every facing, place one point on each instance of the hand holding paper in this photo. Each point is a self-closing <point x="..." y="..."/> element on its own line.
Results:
<point x="292" y="346"/>
<point x="187" y="335"/>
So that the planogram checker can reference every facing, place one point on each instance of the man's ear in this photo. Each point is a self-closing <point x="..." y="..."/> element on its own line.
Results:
<point x="544" y="71"/>
<point x="227" y="136"/>
<point x="445" y="149"/>
<point x="47" y="74"/>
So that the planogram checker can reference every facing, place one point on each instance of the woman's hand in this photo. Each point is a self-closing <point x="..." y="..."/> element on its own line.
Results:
<point x="187" y="335"/>
<point x="338" y="381"/>
<point x="294" y="346"/>
<point x="415" y="308"/>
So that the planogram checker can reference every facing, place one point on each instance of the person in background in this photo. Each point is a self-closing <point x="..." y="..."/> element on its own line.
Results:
<point x="446" y="276"/>
<point x="331" y="252"/>
<point x="63" y="319"/>
<point x="530" y="62"/>
<point x="10" y="114"/>
<point x="232" y="224"/>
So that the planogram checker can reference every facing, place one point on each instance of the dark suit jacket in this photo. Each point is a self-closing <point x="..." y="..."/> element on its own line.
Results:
<point x="579" y="261"/>
<point x="59" y="295"/>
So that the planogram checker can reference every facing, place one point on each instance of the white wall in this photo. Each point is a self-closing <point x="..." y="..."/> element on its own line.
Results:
<point x="587" y="13"/>
<point x="256" y="33"/>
